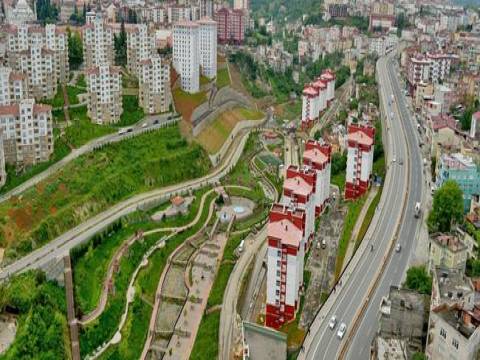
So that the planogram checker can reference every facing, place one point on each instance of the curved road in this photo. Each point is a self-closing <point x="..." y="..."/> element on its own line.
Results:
<point x="55" y="249"/>
<point x="370" y="274"/>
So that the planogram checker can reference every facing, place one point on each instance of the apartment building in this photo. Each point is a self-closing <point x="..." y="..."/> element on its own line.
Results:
<point x="464" y="171"/>
<point x="447" y="251"/>
<point x="428" y="68"/>
<point x="360" y="142"/>
<point x="299" y="192"/>
<point x="154" y="85"/>
<point x="318" y="157"/>
<point x="98" y="48"/>
<point x="208" y="47"/>
<point x="241" y="4"/>
<point x="13" y="86"/>
<point x="104" y="86"/>
<point x="38" y="63"/>
<point x="3" y="171"/>
<point x="27" y="132"/>
<point x="316" y="97"/>
<point x="140" y="46"/>
<point x="186" y="55"/>
<point x="56" y="40"/>
<point x="454" y="333"/>
<point x="285" y="258"/>
<point x="231" y="25"/>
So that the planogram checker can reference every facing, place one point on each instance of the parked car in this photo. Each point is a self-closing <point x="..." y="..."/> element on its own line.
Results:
<point x="342" y="330"/>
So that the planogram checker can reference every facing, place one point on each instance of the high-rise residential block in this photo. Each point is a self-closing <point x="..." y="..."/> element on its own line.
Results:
<point x="316" y="97"/>
<point x="98" y="48"/>
<point x="140" y="46"/>
<point x="13" y="86"/>
<point x="360" y="139"/>
<point x="186" y="55"/>
<point x="285" y="257"/>
<point x="231" y="25"/>
<point x="208" y="47"/>
<point x="154" y="85"/>
<point x="240" y="4"/>
<point x="104" y="86"/>
<point x="38" y="63"/>
<point x="27" y="132"/>
<point x="318" y="156"/>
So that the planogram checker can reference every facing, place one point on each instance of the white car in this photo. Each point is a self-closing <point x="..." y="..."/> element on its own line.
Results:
<point x="144" y="125"/>
<point x="398" y="248"/>
<point x="341" y="330"/>
<point x="333" y="322"/>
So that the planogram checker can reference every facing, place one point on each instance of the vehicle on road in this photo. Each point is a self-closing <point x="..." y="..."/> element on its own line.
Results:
<point x="155" y="122"/>
<point x="398" y="248"/>
<point x="417" y="210"/>
<point x="342" y="330"/>
<point x="130" y="129"/>
<point x="122" y="131"/>
<point x="333" y="322"/>
<point x="394" y="160"/>
<point x="144" y="125"/>
<point x="324" y="243"/>
<point x="400" y="161"/>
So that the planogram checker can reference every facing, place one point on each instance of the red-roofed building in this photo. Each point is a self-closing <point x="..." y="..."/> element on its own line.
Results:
<point x="318" y="157"/>
<point x="316" y="97"/>
<point x="359" y="160"/>
<point x="299" y="192"/>
<point x="285" y="260"/>
<point x="231" y="25"/>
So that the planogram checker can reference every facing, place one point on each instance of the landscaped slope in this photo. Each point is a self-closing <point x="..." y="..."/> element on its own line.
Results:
<point x="94" y="182"/>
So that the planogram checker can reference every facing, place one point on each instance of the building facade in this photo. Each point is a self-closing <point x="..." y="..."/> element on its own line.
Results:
<point x="285" y="257"/>
<point x="208" y="47"/>
<point x="316" y="97"/>
<point x="140" y="46"/>
<point x="318" y="157"/>
<point x="104" y="86"/>
<point x="154" y="85"/>
<point x="186" y="55"/>
<point x="98" y="48"/>
<point x="27" y="132"/>
<point x="13" y="86"/>
<point x="360" y="142"/>
<point x="231" y="25"/>
<point x="447" y="251"/>
<point x="463" y="170"/>
<point x="38" y="63"/>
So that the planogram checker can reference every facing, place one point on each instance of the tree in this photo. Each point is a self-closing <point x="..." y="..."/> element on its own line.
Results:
<point x="447" y="207"/>
<point x="75" y="49"/>
<point x="419" y="356"/>
<point x="339" y="162"/>
<point x="46" y="12"/>
<point x="120" y="44"/>
<point x="419" y="280"/>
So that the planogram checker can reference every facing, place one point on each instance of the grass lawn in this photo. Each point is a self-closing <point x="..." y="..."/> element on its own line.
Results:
<point x="206" y="342"/>
<point x="72" y="92"/>
<point x="94" y="182"/>
<point x="132" y="113"/>
<point x="204" y="80"/>
<point x="81" y="81"/>
<point x="223" y="78"/>
<point x="289" y="111"/>
<point x="368" y="218"/>
<point x="354" y="209"/>
<point x="216" y="133"/>
<point x="339" y="180"/>
<point x="186" y="103"/>
<point x="82" y="130"/>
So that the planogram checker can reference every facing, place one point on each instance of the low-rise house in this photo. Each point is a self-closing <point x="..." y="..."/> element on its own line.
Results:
<point x="447" y="251"/>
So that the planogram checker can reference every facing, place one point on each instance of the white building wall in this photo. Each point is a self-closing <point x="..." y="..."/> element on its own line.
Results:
<point x="186" y="56"/>
<point x="208" y="48"/>
<point x="272" y="268"/>
<point x="367" y="161"/>
<point x="306" y="108"/>
<point x="351" y="152"/>
<point x="292" y="282"/>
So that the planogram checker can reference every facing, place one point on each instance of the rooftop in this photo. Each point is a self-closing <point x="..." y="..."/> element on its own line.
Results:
<point x="458" y="161"/>
<point x="286" y="232"/>
<point x="450" y="241"/>
<point x="315" y="156"/>
<point x="453" y="285"/>
<point x="298" y="186"/>
<point x="360" y="137"/>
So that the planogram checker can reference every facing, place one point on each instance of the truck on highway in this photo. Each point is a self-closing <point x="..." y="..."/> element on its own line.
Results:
<point x="417" y="210"/>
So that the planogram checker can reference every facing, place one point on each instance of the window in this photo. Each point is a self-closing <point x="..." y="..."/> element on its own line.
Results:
<point x="443" y="333"/>
<point x="455" y="343"/>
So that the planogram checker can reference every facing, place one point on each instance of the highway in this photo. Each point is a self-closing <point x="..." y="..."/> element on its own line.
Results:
<point x="55" y="249"/>
<point x="370" y="273"/>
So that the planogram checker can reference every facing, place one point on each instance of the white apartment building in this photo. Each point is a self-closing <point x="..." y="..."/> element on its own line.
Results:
<point x="186" y="55"/>
<point x="27" y="132"/>
<point x="104" y="86"/>
<point x="240" y="4"/>
<point x="316" y="97"/>
<point x="98" y="48"/>
<point x="360" y="141"/>
<point x="13" y="86"/>
<point x="208" y="47"/>
<point x="285" y="258"/>
<point x="38" y="63"/>
<point x="154" y="85"/>
<point x="317" y="156"/>
<point x="140" y="46"/>
<point x="3" y="172"/>
<point x="56" y="40"/>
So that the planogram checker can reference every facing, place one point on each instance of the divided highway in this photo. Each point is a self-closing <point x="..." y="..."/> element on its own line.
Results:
<point x="370" y="274"/>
